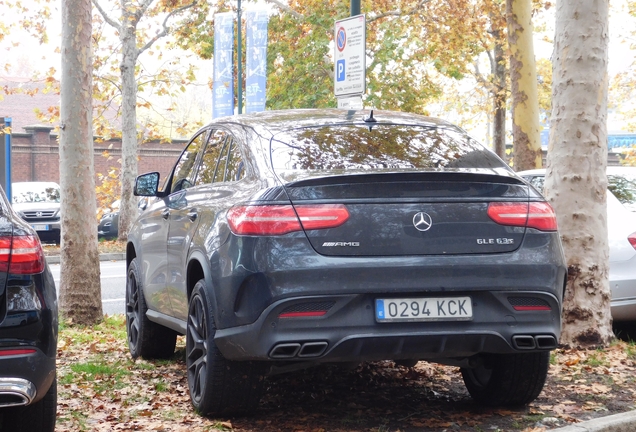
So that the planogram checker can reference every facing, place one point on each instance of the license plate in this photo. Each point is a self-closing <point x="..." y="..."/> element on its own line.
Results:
<point x="424" y="309"/>
<point x="40" y="227"/>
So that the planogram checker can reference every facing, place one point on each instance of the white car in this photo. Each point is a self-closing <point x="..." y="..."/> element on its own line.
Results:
<point x="621" y="227"/>
<point x="38" y="203"/>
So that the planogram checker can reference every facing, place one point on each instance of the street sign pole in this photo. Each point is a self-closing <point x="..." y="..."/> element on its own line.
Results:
<point x="355" y="7"/>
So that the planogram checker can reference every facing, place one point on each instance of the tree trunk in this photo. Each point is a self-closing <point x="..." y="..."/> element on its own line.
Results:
<point x="576" y="183"/>
<point x="128" y="207"/>
<point x="80" y="289"/>
<point x="499" y="100"/>
<point x="523" y="79"/>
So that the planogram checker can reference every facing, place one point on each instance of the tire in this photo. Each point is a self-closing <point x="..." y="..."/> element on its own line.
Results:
<point x="39" y="416"/>
<point x="146" y="339"/>
<point x="217" y="386"/>
<point x="508" y="379"/>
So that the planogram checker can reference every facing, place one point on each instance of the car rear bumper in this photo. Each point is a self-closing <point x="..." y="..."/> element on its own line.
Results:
<point x="25" y="378"/>
<point x="348" y="331"/>
<point x="622" y="282"/>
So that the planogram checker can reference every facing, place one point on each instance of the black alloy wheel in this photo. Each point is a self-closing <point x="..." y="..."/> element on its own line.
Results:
<point x="217" y="386"/>
<point x="197" y="349"/>
<point x="146" y="339"/>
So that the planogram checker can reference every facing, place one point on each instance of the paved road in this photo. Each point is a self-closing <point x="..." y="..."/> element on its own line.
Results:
<point x="113" y="276"/>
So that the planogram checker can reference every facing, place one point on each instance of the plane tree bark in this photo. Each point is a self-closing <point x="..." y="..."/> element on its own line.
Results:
<point x="80" y="287"/>
<point x="576" y="183"/>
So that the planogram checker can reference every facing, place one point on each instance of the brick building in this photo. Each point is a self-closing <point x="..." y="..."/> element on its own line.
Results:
<point x="35" y="147"/>
<point x="35" y="155"/>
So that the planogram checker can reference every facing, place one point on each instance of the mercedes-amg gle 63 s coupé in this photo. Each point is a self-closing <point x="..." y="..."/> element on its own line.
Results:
<point x="285" y="239"/>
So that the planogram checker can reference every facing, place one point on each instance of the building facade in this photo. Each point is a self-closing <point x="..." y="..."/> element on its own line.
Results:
<point x="35" y="155"/>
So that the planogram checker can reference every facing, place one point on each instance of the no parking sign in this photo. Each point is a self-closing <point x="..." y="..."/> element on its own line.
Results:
<point x="350" y="56"/>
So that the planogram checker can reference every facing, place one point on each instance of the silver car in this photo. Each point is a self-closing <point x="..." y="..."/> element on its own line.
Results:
<point x="621" y="227"/>
<point x="38" y="203"/>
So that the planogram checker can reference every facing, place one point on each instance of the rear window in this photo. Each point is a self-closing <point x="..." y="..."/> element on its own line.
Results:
<point x="35" y="193"/>
<point x="624" y="189"/>
<point x="381" y="148"/>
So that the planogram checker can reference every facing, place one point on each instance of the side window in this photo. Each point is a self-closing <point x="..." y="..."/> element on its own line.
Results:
<point x="538" y="182"/>
<point x="184" y="170"/>
<point x="209" y="171"/>
<point x="219" y="174"/>
<point x="235" y="169"/>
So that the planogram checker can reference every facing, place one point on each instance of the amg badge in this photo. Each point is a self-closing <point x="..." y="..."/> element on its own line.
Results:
<point x="341" y="244"/>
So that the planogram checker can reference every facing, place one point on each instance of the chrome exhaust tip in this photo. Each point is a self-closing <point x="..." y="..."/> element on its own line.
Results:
<point x="16" y="392"/>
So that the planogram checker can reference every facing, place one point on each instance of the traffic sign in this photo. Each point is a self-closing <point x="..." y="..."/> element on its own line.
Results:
<point x="350" y="56"/>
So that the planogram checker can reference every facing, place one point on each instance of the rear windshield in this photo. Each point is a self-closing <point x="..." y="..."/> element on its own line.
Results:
<point x="384" y="147"/>
<point x="35" y="194"/>
<point x="624" y="189"/>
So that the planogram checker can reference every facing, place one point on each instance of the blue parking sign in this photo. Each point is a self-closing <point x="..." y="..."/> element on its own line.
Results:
<point x="341" y="70"/>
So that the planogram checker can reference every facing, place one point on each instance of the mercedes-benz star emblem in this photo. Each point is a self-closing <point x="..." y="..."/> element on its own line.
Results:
<point x="422" y="221"/>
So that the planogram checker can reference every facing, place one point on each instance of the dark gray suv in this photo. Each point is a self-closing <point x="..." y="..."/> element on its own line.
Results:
<point x="286" y="239"/>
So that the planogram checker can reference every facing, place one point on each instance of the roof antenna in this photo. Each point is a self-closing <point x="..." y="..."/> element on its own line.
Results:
<point x="370" y="120"/>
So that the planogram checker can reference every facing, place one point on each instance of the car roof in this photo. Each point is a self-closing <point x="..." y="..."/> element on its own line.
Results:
<point x="615" y="170"/>
<point x="278" y="121"/>
<point x="34" y="185"/>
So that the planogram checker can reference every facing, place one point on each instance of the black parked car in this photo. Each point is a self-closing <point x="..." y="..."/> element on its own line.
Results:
<point x="108" y="226"/>
<point x="28" y="328"/>
<point x="285" y="239"/>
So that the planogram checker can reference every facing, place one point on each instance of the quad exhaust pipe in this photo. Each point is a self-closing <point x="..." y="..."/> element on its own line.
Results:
<point x="298" y="350"/>
<point x="16" y="392"/>
<point x="529" y="342"/>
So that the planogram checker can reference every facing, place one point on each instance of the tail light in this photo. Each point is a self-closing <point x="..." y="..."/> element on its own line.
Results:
<point x="21" y="255"/>
<point x="12" y="352"/>
<point x="539" y="215"/>
<point x="283" y="219"/>
<point x="632" y="239"/>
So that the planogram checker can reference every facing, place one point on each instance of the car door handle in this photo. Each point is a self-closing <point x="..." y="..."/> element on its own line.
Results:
<point x="165" y="214"/>
<point x="192" y="214"/>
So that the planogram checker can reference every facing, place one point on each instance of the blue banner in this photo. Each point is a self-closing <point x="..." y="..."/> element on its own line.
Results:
<point x="223" y="85"/>
<point x="256" y="59"/>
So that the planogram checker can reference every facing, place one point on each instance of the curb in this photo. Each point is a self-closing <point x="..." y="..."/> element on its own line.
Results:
<point x="120" y="256"/>
<point x="623" y="422"/>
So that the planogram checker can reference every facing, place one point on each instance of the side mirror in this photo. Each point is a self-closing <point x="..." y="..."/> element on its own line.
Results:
<point x="147" y="184"/>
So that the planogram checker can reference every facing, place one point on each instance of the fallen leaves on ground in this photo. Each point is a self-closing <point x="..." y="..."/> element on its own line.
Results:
<point x="100" y="388"/>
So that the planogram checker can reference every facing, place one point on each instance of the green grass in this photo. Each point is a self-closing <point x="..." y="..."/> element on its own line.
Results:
<point x="161" y="386"/>
<point x="630" y="350"/>
<point x="596" y="359"/>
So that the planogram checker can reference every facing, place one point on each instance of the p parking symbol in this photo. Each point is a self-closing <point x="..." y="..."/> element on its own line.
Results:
<point x="340" y="69"/>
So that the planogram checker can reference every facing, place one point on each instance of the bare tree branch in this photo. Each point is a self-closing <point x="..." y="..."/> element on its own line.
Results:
<point x="165" y="30"/>
<point x="142" y="10"/>
<point x="282" y="6"/>
<point x="479" y="77"/>
<point x="328" y="67"/>
<point x="398" y="12"/>
<point x="108" y="19"/>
